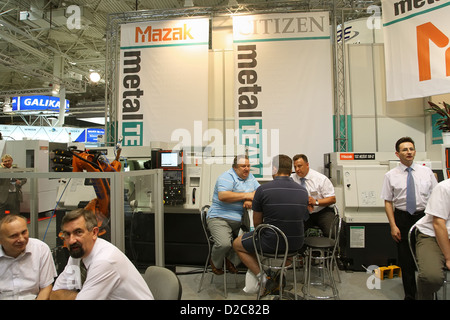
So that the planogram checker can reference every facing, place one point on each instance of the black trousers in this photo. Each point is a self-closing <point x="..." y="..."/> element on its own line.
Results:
<point x="404" y="222"/>
<point x="322" y="219"/>
<point x="12" y="204"/>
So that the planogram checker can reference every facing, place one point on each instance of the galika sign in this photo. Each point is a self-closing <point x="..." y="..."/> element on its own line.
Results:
<point x="163" y="80"/>
<point x="417" y="48"/>
<point x="37" y="103"/>
<point x="283" y="86"/>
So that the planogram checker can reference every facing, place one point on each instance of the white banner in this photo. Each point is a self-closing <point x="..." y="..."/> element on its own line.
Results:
<point x="283" y="87"/>
<point x="416" y="36"/>
<point x="163" y="79"/>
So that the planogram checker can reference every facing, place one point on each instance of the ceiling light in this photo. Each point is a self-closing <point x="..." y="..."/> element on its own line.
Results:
<point x="55" y="89"/>
<point x="94" y="76"/>
<point x="188" y="3"/>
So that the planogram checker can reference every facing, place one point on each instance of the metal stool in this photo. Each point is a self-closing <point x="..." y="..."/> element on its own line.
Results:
<point x="274" y="260"/>
<point x="323" y="250"/>
<point x="210" y="241"/>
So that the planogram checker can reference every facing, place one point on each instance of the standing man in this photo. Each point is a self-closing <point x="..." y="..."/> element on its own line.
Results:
<point x="282" y="203"/>
<point x="433" y="242"/>
<point x="406" y="189"/>
<point x="10" y="190"/>
<point x="233" y="193"/>
<point x="96" y="269"/>
<point x="320" y="191"/>
<point x="27" y="270"/>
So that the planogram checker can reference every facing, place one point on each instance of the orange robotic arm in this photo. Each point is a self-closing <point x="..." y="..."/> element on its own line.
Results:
<point x="96" y="162"/>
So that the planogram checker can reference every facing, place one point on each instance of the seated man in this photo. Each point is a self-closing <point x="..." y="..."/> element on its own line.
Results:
<point x="96" y="269"/>
<point x="233" y="192"/>
<point x="27" y="270"/>
<point x="320" y="191"/>
<point x="433" y="244"/>
<point x="282" y="203"/>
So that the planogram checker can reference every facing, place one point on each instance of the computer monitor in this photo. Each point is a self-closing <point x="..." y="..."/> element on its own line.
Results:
<point x="168" y="159"/>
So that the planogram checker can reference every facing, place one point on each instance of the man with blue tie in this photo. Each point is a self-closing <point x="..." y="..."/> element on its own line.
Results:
<point x="406" y="189"/>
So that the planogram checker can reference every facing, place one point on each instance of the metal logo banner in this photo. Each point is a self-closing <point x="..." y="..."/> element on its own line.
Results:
<point x="283" y="86"/>
<point x="417" y="48"/>
<point x="163" y="79"/>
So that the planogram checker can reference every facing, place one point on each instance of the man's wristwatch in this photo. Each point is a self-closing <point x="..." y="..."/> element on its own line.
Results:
<point x="317" y="202"/>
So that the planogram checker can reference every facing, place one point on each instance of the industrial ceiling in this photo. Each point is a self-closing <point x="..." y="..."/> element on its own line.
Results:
<point x="41" y="46"/>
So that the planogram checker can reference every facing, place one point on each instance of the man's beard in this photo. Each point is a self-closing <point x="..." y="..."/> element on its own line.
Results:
<point x="76" y="250"/>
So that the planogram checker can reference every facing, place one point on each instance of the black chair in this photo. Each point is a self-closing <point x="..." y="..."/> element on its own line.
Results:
<point x="323" y="251"/>
<point x="274" y="260"/>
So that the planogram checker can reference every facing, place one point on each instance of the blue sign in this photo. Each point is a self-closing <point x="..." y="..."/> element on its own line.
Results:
<point x="92" y="134"/>
<point x="37" y="103"/>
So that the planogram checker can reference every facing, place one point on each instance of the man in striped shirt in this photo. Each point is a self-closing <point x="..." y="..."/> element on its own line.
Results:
<point x="233" y="192"/>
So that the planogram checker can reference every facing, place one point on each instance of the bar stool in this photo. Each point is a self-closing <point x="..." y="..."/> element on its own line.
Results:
<point x="323" y="250"/>
<point x="274" y="260"/>
<point x="210" y="241"/>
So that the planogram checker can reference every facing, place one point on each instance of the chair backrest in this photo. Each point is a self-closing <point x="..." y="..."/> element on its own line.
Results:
<point x="335" y="228"/>
<point x="163" y="283"/>
<point x="280" y="238"/>
<point x="203" y="214"/>
<point x="412" y="243"/>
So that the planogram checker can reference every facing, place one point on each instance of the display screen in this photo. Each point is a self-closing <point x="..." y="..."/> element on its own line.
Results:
<point x="169" y="159"/>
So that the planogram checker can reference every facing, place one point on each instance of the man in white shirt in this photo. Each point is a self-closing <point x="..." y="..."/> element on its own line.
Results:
<point x="433" y="243"/>
<point x="320" y="191"/>
<point x="27" y="270"/>
<point x="401" y="218"/>
<point x="96" y="269"/>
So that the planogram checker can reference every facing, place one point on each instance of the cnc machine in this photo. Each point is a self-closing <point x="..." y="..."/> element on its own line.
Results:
<point x="358" y="179"/>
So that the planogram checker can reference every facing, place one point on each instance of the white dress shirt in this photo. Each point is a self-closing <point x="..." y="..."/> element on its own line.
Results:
<point x="110" y="276"/>
<point x="394" y="185"/>
<point x="438" y="206"/>
<point x="24" y="276"/>
<point x="318" y="186"/>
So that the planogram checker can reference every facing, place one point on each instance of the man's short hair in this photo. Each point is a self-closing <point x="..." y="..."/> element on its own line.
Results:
<point x="283" y="164"/>
<point x="402" y="140"/>
<point x="89" y="217"/>
<point x="300" y="156"/>
<point x="237" y="158"/>
<point x="6" y="156"/>
<point x="10" y="218"/>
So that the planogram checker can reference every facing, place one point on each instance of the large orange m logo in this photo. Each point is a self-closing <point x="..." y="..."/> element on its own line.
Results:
<point x="425" y="33"/>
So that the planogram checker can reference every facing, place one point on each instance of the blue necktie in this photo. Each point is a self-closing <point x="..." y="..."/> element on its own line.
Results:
<point x="410" y="192"/>
<point x="302" y="182"/>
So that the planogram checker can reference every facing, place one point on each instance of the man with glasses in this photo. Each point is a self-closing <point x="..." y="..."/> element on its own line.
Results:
<point x="96" y="269"/>
<point x="406" y="189"/>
